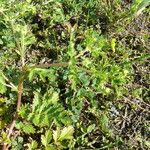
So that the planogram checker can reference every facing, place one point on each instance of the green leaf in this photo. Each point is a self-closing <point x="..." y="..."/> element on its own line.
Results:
<point x="66" y="133"/>
<point x="4" y="138"/>
<point x="36" y="119"/>
<point x="31" y="74"/>
<point x="55" y="98"/>
<point x="2" y="85"/>
<point x="45" y="139"/>
<point x="56" y="134"/>
<point x="25" y="127"/>
<point x="90" y="128"/>
<point x="45" y="109"/>
<point x="113" y="44"/>
<point x="104" y="122"/>
<point x="50" y="147"/>
<point x="33" y="145"/>
<point x="24" y="111"/>
<point x="28" y="128"/>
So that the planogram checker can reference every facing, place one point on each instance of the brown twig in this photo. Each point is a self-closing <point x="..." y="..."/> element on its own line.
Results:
<point x="63" y="64"/>
<point x="20" y="92"/>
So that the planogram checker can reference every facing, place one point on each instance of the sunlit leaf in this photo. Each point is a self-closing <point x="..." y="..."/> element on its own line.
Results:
<point x="33" y="145"/>
<point x="66" y="133"/>
<point x="45" y="139"/>
<point x="28" y="128"/>
<point x="56" y="134"/>
<point x="2" y="85"/>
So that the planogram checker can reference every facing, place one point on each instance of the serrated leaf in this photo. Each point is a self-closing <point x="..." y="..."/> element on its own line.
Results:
<point x="24" y="111"/>
<point x="4" y="138"/>
<point x="56" y="134"/>
<point x="44" y="109"/>
<point x="28" y="128"/>
<point x="33" y="145"/>
<point x="19" y="125"/>
<point x="45" y="139"/>
<point x="36" y="119"/>
<point x="45" y="120"/>
<point x="36" y="101"/>
<point x="66" y="133"/>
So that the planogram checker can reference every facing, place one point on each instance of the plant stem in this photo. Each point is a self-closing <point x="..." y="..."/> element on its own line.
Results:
<point x="64" y="64"/>
<point x="20" y="92"/>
